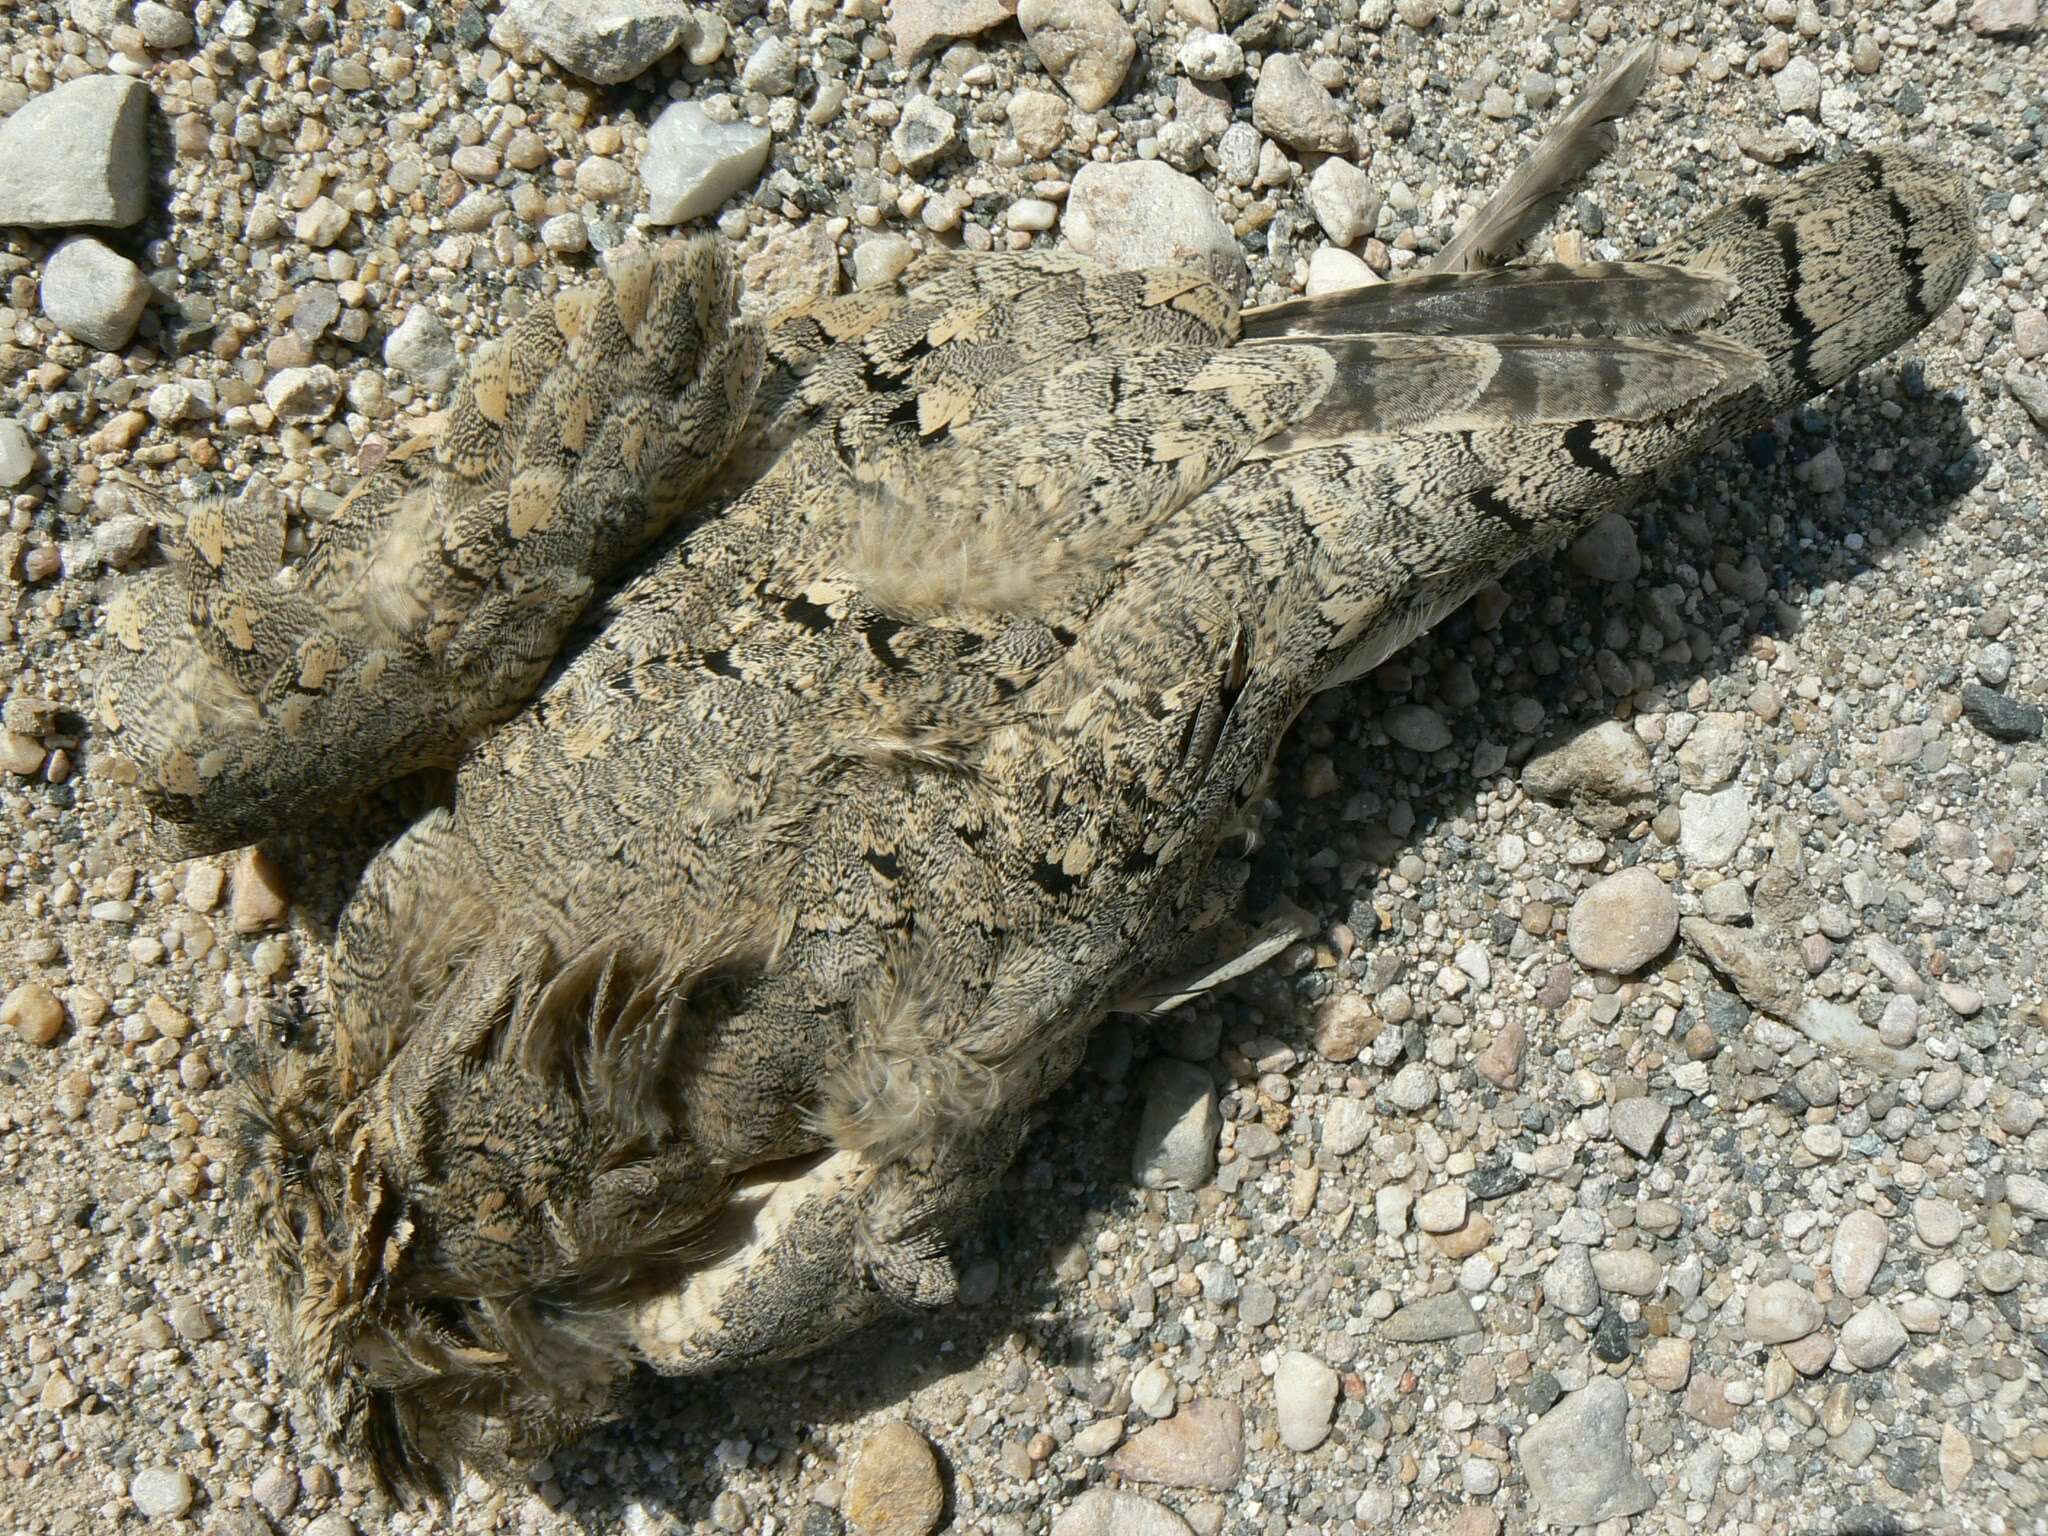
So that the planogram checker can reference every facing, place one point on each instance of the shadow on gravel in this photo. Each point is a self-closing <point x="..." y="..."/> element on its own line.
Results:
<point x="664" y="1457"/>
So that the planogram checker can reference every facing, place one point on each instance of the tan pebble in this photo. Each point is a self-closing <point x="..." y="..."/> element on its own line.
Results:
<point x="170" y="1022"/>
<point x="204" y="883"/>
<point x="86" y="1007"/>
<point x="260" y="897"/>
<point x="20" y="754"/>
<point x="32" y="1011"/>
<point x="894" y="1488"/>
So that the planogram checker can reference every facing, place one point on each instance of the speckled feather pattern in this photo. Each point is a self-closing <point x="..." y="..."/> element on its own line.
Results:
<point x="984" y="603"/>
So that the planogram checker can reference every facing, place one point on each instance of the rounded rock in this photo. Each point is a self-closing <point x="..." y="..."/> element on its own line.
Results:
<point x="894" y="1488"/>
<point x="93" y="294"/>
<point x="162" y="1493"/>
<point x="1622" y="923"/>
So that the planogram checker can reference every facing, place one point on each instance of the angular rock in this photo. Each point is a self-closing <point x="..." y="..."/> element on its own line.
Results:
<point x="1289" y="106"/>
<point x="1342" y="198"/>
<point x="1603" y="775"/>
<point x="1639" y="1122"/>
<point x="1141" y="213"/>
<point x="894" y="1488"/>
<point x="1439" y="1317"/>
<point x="303" y="394"/>
<point x="1332" y="271"/>
<point x="924" y="135"/>
<point x="2004" y="18"/>
<point x="421" y="349"/>
<point x="17" y="455"/>
<point x="1622" y="923"/>
<point x="1202" y="1446"/>
<point x="1085" y="45"/>
<point x="1713" y="827"/>
<point x="1839" y="1030"/>
<point x="1347" y="1126"/>
<point x="93" y="294"/>
<point x="77" y="155"/>
<point x="1176" y="1145"/>
<point x="605" y="41"/>
<point x="1117" y="1512"/>
<point x="693" y="164"/>
<point x="1576" y="1458"/>
<point x="1755" y="961"/>
<point x="917" y="24"/>
<point x="1569" y="1283"/>
<point x="2000" y="716"/>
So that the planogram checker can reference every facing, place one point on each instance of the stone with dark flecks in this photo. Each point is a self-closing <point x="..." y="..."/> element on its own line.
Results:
<point x="2000" y="716"/>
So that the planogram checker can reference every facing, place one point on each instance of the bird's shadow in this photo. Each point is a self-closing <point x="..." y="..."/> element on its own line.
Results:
<point x="668" y="1450"/>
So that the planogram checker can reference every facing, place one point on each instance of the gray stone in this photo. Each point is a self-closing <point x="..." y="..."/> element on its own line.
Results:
<point x="1343" y="200"/>
<point x="161" y="1493"/>
<point x="1872" y="1337"/>
<point x="1576" y="1458"/>
<point x="1936" y="1222"/>
<point x="606" y="41"/>
<point x="17" y="455"/>
<point x="1623" y="923"/>
<point x="693" y="164"/>
<point x="2027" y="1195"/>
<point x="1756" y="961"/>
<point x="1210" y="56"/>
<point x="1304" y="1398"/>
<point x="93" y="294"/>
<point x="77" y="154"/>
<point x="1257" y="1304"/>
<point x="1713" y="827"/>
<point x="1857" y="1252"/>
<point x="161" y="27"/>
<point x="1569" y="1283"/>
<point x="1291" y="107"/>
<point x="771" y="68"/>
<point x="1603" y="774"/>
<point x="924" y="135"/>
<point x="1416" y="727"/>
<point x="1423" y="1322"/>
<point x="421" y="349"/>
<point x="303" y="394"/>
<point x="917" y="24"/>
<point x="1176" y="1146"/>
<point x="1347" y="1125"/>
<point x="1413" y="1087"/>
<point x="1085" y="45"/>
<point x="1607" y="551"/>
<point x="1712" y="753"/>
<point x="2030" y="392"/>
<point x="1798" y="87"/>
<point x="1117" y="1512"/>
<point x="1628" y="1272"/>
<point x="1639" y="1122"/>
<point x="1152" y="1391"/>
<point x="1838" y="1028"/>
<point x="1140" y="213"/>
<point x="1780" y="1312"/>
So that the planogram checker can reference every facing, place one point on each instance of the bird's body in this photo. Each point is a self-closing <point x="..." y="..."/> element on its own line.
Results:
<point x="718" y="995"/>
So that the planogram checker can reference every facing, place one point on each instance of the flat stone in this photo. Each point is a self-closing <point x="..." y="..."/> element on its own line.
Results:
<point x="1713" y="752"/>
<point x="1780" y="1312"/>
<point x="1142" y="213"/>
<point x="1756" y="962"/>
<point x="917" y="24"/>
<point x="1289" y="106"/>
<point x="693" y="164"/>
<point x="1416" y="727"/>
<point x="1872" y="1337"/>
<point x="1347" y="1126"/>
<point x="1628" y="1271"/>
<point x="17" y="454"/>
<point x="77" y="155"/>
<point x="1838" y="1029"/>
<point x="1576" y="1458"/>
<point x="2004" y="18"/>
<point x="1638" y="1123"/>
<point x="1441" y="1209"/>
<point x="93" y="294"/>
<point x="1085" y="45"/>
<point x="2000" y="716"/>
<point x="1116" y="1512"/>
<point x="606" y="41"/>
<point x="1857" y="1252"/>
<point x="1440" y="1317"/>
<point x="894" y="1488"/>
<point x="1304" y="1399"/>
<point x="1202" y="1446"/>
<point x="2027" y="1195"/>
<point x="303" y="394"/>
<point x="1176" y="1145"/>
<point x="1098" y="1438"/>
<point x="1623" y="923"/>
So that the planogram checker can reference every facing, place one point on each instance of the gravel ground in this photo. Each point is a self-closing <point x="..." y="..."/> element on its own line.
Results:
<point x="1651" y="1138"/>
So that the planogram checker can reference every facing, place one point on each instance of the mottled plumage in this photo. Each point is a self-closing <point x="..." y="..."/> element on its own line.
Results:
<point x="717" y="997"/>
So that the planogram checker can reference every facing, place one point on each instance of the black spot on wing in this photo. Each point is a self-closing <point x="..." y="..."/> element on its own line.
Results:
<point x="1910" y="259"/>
<point x="1487" y="503"/>
<point x="879" y="632"/>
<point x="883" y="862"/>
<point x="1051" y="878"/>
<point x="1582" y="444"/>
